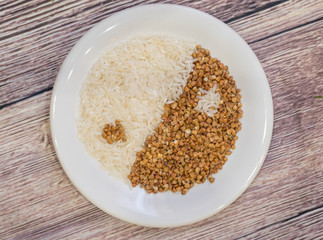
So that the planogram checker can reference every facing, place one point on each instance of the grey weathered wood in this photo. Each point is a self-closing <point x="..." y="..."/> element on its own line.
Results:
<point x="37" y="201"/>
<point x="279" y="18"/>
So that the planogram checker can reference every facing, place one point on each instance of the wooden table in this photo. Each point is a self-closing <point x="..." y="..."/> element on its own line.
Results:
<point x="37" y="200"/>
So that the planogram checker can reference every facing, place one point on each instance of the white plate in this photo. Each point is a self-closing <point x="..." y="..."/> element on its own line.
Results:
<point x="166" y="209"/>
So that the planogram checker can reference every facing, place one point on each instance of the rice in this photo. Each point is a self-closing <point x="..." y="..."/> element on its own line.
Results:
<point x="209" y="103"/>
<point x="131" y="82"/>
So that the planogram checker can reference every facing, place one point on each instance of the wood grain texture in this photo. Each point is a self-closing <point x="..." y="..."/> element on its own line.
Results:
<point x="282" y="17"/>
<point x="37" y="201"/>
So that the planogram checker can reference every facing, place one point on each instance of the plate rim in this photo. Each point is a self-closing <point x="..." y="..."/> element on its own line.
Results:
<point x="71" y="55"/>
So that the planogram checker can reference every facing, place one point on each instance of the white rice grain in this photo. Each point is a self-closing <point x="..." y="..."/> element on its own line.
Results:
<point x="131" y="83"/>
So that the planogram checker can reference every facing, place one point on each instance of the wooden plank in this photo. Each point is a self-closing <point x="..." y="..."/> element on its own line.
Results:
<point x="39" y="202"/>
<point x="24" y="15"/>
<point x="309" y="225"/>
<point x="278" y="18"/>
<point x="35" y="36"/>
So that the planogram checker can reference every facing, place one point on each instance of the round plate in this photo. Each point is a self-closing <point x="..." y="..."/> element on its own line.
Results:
<point x="163" y="209"/>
